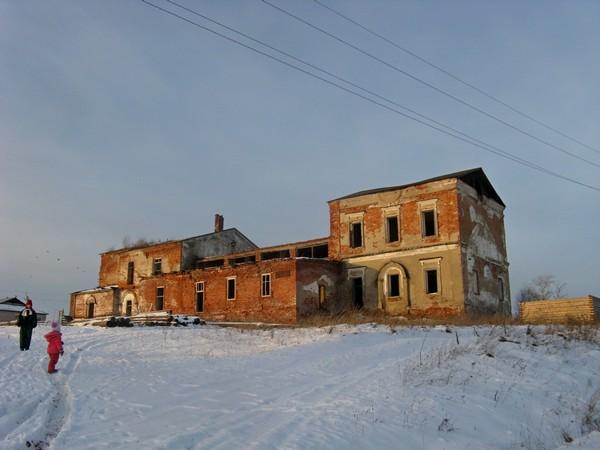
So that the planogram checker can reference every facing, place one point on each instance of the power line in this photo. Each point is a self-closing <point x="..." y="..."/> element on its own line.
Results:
<point x="455" y="77"/>
<point x="468" y="140"/>
<point x="528" y="163"/>
<point x="431" y="86"/>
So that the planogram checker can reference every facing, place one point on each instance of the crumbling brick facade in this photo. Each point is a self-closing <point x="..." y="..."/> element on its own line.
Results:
<point x="431" y="248"/>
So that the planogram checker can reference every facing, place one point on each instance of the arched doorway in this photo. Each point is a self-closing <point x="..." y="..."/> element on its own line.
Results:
<point x="393" y="294"/>
<point x="90" y="304"/>
<point x="128" y="304"/>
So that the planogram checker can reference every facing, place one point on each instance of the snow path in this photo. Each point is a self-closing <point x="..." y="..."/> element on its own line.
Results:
<point x="351" y="387"/>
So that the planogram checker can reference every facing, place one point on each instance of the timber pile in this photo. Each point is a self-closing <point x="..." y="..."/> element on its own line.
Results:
<point x="567" y="310"/>
<point x="152" y="318"/>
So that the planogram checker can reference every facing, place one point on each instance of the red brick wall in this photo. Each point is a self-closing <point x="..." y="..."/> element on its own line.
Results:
<point x="407" y="202"/>
<point x="249" y="305"/>
<point x="113" y="265"/>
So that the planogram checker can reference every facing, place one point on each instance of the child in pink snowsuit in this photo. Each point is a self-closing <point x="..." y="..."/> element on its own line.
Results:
<point x="55" y="346"/>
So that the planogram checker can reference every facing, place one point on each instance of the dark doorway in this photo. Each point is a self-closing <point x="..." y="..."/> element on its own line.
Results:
<point x="90" y="310"/>
<point x="357" y="292"/>
<point x="128" y="308"/>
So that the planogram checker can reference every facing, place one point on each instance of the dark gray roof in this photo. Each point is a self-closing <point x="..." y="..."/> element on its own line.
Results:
<point x="11" y="301"/>
<point x="475" y="178"/>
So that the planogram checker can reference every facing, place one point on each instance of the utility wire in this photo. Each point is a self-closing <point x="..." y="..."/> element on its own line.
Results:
<point x="473" y="142"/>
<point x="528" y="163"/>
<point x="431" y="86"/>
<point x="455" y="77"/>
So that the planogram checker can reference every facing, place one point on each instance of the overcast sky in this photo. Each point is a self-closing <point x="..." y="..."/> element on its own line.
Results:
<point x="118" y="120"/>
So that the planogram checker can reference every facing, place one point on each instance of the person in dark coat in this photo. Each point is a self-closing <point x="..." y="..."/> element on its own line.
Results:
<point x="27" y="321"/>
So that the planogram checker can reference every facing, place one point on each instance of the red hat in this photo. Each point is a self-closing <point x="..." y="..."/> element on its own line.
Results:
<point x="28" y="303"/>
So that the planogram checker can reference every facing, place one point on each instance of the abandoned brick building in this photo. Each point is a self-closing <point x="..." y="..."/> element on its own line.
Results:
<point x="435" y="247"/>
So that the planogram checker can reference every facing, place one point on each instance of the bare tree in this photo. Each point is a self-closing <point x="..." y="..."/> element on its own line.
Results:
<point x="542" y="287"/>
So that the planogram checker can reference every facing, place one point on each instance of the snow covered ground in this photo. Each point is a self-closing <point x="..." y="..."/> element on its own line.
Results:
<point x="348" y="387"/>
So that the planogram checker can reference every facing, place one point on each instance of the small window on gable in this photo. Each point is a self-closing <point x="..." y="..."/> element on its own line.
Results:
<point x="394" y="285"/>
<point x="476" y="282"/>
<point x="160" y="298"/>
<point x="428" y="223"/>
<point x="356" y="234"/>
<point x="501" y="289"/>
<point x="391" y="227"/>
<point x="231" y="288"/>
<point x="157" y="266"/>
<point x="431" y="281"/>
<point x="265" y="290"/>
<point x="130" y="272"/>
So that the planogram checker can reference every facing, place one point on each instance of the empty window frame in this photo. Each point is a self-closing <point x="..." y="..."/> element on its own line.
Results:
<point x="160" y="299"/>
<point x="431" y="281"/>
<point x="317" y="251"/>
<point x="215" y="263"/>
<point x="276" y="254"/>
<point x="392" y="229"/>
<point x="130" y="272"/>
<point x="356" y="237"/>
<point x="157" y="266"/>
<point x="393" y="284"/>
<point x="200" y="296"/>
<point x="476" y="282"/>
<point x="428" y="223"/>
<point x="231" y="288"/>
<point x="265" y="285"/>
<point x="501" y="289"/>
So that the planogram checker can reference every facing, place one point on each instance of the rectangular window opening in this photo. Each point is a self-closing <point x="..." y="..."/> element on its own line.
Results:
<point x="265" y="285"/>
<point x="130" y="272"/>
<point x="501" y="289"/>
<point x="278" y="254"/>
<point x="200" y="296"/>
<point x="394" y="285"/>
<point x="230" y="288"/>
<point x="428" y="223"/>
<point x="476" y="282"/>
<point x="157" y="266"/>
<point x="392" y="228"/>
<point x="356" y="234"/>
<point x="431" y="281"/>
<point x="160" y="298"/>
<point x="215" y="263"/>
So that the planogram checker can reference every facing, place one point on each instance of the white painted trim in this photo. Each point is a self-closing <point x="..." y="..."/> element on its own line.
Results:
<point x="262" y="275"/>
<point x="426" y="205"/>
<point x="431" y="262"/>
<point x="354" y="217"/>
<point x="356" y="272"/>
<point x="400" y="253"/>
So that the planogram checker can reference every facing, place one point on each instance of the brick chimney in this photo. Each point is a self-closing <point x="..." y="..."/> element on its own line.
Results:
<point x="218" y="223"/>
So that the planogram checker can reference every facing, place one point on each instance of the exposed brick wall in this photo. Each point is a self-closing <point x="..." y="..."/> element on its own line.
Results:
<point x="113" y="265"/>
<point x="249" y="305"/>
<point x="483" y="252"/>
<point x="104" y="301"/>
<point x="372" y="209"/>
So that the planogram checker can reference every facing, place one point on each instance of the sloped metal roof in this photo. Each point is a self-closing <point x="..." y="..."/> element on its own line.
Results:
<point x="475" y="178"/>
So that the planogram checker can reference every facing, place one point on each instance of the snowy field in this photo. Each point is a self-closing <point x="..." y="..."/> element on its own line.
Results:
<point x="348" y="387"/>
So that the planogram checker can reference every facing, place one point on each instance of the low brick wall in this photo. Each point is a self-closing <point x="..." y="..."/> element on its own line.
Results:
<point x="580" y="309"/>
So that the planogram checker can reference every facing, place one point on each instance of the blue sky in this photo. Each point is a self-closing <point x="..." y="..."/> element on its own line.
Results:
<point x="117" y="120"/>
